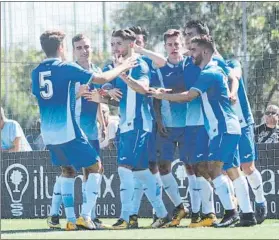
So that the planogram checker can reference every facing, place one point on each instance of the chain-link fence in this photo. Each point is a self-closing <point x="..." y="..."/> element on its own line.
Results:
<point x="247" y="30"/>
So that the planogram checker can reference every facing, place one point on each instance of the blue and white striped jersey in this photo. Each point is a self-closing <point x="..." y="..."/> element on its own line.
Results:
<point x="191" y="75"/>
<point x="219" y="116"/>
<point x="53" y="84"/>
<point x="86" y="112"/>
<point x="134" y="107"/>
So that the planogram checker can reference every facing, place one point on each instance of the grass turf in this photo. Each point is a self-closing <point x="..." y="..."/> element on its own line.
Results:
<point x="37" y="229"/>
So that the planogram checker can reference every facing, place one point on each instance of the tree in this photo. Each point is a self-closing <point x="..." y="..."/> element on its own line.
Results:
<point x="21" y="104"/>
<point x="16" y="178"/>
<point x="225" y="23"/>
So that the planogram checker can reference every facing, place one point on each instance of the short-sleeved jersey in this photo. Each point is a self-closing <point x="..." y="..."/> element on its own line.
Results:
<point x="86" y="112"/>
<point x="134" y="107"/>
<point x="10" y="132"/>
<point x="53" y="84"/>
<point x="152" y="83"/>
<point x="171" y="76"/>
<point x="191" y="75"/>
<point x="242" y="106"/>
<point x="218" y="114"/>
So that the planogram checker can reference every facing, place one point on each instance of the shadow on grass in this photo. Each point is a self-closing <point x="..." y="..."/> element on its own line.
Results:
<point x="43" y="230"/>
<point x="30" y="230"/>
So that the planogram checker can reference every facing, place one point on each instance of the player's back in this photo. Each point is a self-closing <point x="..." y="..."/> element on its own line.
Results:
<point x="53" y="84"/>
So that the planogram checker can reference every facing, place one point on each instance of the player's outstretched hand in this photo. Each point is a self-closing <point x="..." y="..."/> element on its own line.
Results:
<point x="159" y="92"/>
<point x="115" y="94"/>
<point x="126" y="64"/>
<point x="93" y="96"/>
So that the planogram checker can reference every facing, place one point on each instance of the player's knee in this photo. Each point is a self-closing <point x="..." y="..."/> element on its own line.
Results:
<point x="153" y="167"/>
<point x="248" y="168"/>
<point x="202" y="170"/>
<point x="215" y="168"/>
<point x="234" y="173"/>
<point x="68" y="172"/>
<point x="95" y="168"/>
<point x="164" y="167"/>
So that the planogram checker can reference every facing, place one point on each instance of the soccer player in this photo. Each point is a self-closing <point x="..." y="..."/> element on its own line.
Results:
<point x="223" y="129"/>
<point x="135" y="128"/>
<point x="171" y="120"/>
<point x="87" y="112"/>
<point x="200" y="188"/>
<point x="247" y="149"/>
<point x="53" y="84"/>
<point x="154" y="61"/>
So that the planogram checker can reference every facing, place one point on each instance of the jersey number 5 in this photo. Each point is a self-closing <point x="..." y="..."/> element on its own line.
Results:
<point x="46" y="83"/>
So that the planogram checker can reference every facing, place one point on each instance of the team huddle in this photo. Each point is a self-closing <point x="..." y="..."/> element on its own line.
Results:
<point x="193" y="100"/>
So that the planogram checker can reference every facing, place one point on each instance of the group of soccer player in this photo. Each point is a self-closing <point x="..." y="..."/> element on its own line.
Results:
<point x="193" y="100"/>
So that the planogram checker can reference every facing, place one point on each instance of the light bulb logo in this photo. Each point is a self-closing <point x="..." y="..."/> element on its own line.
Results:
<point x="16" y="185"/>
<point x="179" y="171"/>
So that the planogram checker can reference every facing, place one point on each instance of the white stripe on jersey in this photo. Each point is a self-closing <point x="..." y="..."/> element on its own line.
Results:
<point x="130" y="109"/>
<point x="70" y="126"/>
<point x="232" y="124"/>
<point x="78" y="104"/>
<point x="238" y="110"/>
<point x="210" y="116"/>
<point x="165" y="108"/>
<point x="146" y="124"/>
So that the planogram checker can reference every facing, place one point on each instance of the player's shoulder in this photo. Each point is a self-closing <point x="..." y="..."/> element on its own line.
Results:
<point x="12" y="123"/>
<point x="212" y="70"/>
<point x="146" y="59"/>
<point x="142" y="65"/>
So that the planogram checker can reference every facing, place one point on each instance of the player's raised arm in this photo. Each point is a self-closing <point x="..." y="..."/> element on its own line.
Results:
<point x="113" y="73"/>
<point x="157" y="59"/>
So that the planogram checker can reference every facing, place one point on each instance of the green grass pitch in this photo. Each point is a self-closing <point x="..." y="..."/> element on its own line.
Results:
<point x="37" y="229"/>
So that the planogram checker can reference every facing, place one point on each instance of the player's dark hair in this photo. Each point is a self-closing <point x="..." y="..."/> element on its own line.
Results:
<point x="51" y="40"/>
<point x="172" y="33"/>
<point x="199" y="26"/>
<point x="78" y="37"/>
<point x="125" y="34"/>
<point x="204" y="40"/>
<point x="140" y="31"/>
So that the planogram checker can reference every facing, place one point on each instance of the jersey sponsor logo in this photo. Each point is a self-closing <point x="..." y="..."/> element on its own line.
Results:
<point x="167" y="75"/>
<point x="248" y="155"/>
